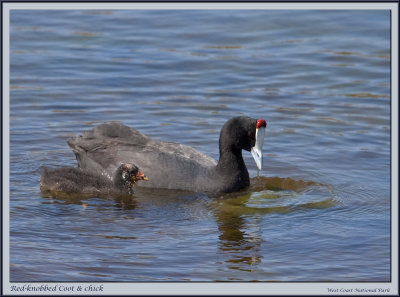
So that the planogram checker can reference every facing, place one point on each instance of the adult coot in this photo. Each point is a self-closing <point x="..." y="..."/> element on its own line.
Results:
<point x="172" y="165"/>
<point x="76" y="180"/>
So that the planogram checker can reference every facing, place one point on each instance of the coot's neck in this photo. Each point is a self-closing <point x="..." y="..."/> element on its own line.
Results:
<point x="232" y="170"/>
<point x="231" y="160"/>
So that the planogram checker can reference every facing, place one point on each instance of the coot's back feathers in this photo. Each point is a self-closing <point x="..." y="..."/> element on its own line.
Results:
<point x="165" y="163"/>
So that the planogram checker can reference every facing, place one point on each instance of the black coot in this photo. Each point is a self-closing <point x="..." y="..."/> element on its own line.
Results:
<point x="76" y="180"/>
<point x="172" y="165"/>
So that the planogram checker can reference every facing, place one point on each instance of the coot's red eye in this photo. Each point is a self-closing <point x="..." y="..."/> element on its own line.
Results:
<point x="251" y="135"/>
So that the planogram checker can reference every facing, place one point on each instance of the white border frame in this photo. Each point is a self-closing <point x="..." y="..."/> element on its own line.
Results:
<point x="205" y="288"/>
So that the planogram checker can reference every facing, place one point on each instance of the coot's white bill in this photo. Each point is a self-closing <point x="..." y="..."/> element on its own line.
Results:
<point x="256" y="150"/>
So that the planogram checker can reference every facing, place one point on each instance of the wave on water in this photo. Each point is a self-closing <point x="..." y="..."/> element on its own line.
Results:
<point x="278" y="195"/>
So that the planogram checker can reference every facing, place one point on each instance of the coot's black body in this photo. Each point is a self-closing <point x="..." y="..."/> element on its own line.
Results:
<point x="167" y="164"/>
<point x="76" y="180"/>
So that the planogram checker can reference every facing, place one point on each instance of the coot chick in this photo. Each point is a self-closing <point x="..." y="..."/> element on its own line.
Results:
<point x="76" y="180"/>
<point x="172" y="165"/>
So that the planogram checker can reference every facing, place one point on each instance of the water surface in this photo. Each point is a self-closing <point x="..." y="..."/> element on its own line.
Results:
<point x="318" y="211"/>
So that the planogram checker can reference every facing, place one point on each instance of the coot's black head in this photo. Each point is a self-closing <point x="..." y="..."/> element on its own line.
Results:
<point x="128" y="175"/>
<point x="244" y="133"/>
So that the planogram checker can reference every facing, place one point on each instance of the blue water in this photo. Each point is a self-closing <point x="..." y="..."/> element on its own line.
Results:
<point x="320" y="209"/>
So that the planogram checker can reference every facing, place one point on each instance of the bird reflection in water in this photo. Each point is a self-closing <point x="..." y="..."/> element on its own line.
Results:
<point x="116" y="201"/>
<point x="240" y="235"/>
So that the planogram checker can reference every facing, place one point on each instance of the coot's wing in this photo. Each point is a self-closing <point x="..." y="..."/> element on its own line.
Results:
<point x="167" y="164"/>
